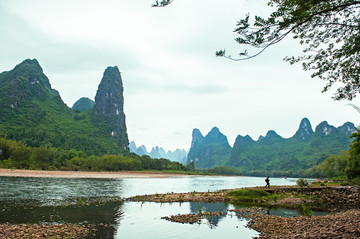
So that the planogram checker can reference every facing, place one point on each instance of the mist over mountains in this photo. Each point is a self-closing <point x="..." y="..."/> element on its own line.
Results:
<point x="179" y="155"/>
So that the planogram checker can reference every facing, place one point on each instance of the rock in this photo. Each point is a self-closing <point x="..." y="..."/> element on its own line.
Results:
<point x="109" y="106"/>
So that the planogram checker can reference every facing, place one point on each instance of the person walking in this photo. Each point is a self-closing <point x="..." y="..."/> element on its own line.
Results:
<point x="267" y="180"/>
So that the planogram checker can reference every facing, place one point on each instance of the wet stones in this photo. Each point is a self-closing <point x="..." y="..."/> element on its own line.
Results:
<point x="191" y="218"/>
<point x="43" y="231"/>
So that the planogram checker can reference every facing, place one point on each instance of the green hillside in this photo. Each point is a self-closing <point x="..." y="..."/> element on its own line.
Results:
<point x="209" y="151"/>
<point x="83" y="104"/>
<point x="34" y="113"/>
<point x="272" y="154"/>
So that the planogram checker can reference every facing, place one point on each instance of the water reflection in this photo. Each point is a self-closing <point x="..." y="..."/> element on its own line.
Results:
<point x="57" y="189"/>
<point x="53" y="200"/>
<point x="52" y="191"/>
<point x="104" y="217"/>
<point x="143" y="220"/>
<point x="210" y="207"/>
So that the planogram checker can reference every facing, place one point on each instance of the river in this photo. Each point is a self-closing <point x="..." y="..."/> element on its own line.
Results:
<point x="47" y="200"/>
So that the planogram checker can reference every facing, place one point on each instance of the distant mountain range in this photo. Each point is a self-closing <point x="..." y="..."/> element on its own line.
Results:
<point x="271" y="153"/>
<point x="179" y="155"/>
<point x="33" y="112"/>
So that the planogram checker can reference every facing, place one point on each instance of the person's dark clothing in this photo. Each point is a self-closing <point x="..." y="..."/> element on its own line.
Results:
<point x="267" y="180"/>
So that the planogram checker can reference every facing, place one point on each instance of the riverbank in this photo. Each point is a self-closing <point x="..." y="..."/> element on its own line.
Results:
<point x="60" y="231"/>
<point x="83" y="174"/>
<point x="334" y="199"/>
<point x="339" y="225"/>
<point x="342" y="203"/>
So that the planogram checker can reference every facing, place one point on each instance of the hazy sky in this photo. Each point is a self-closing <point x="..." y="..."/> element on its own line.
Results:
<point x="173" y="81"/>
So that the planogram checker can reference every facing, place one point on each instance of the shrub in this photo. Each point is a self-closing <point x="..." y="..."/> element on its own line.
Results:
<point x="306" y="210"/>
<point x="302" y="182"/>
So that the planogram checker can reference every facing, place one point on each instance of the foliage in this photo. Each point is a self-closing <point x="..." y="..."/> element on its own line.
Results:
<point x="190" y="166"/>
<point x="357" y="108"/>
<point x="306" y="210"/>
<point x="163" y="3"/>
<point x="34" y="113"/>
<point x="211" y="151"/>
<point x="17" y="155"/>
<point x="209" y="155"/>
<point x="249" y="196"/>
<point x="83" y="104"/>
<point x="273" y="155"/>
<point x="344" y="167"/>
<point x="329" y="30"/>
<point x="332" y="166"/>
<point x="288" y="157"/>
<point x="353" y="166"/>
<point x="222" y="170"/>
<point x="302" y="182"/>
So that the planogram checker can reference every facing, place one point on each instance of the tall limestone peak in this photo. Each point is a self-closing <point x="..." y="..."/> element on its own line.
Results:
<point x="243" y="140"/>
<point x="196" y="137"/>
<point x="271" y="137"/>
<point x="325" y="129"/>
<point x="31" y="72"/>
<point x="157" y="152"/>
<point x="242" y="143"/>
<point x="25" y="82"/>
<point x="205" y="151"/>
<point x="215" y="136"/>
<point x="108" y="108"/>
<point x="272" y="134"/>
<point x="132" y="147"/>
<point x="141" y="150"/>
<point x="31" y="65"/>
<point x="348" y="128"/>
<point x="305" y="130"/>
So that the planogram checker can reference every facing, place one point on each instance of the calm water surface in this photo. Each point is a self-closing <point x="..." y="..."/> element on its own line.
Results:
<point x="43" y="200"/>
<point x="52" y="189"/>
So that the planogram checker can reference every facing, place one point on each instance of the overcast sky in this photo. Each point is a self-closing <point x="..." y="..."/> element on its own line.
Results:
<point x="172" y="80"/>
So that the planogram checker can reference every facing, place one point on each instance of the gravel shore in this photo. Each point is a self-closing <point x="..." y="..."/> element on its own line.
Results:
<point x="342" y="222"/>
<point x="60" y="231"/>
<point x="339" y="225"/>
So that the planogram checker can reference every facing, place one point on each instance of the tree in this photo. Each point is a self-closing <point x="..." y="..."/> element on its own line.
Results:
<point x="163" y="3"/>
<point x="353" y="166"/>
<point x="329" y="30"/>
<point x="190" y="166"/>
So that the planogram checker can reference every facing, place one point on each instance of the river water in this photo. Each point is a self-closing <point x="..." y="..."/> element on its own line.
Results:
<point x="46" y="200"/>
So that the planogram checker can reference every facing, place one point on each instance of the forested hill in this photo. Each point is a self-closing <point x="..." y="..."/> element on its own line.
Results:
<point x="83" y="104"/>
<point x="34" y="113"/>
<point x="271" y="154"/>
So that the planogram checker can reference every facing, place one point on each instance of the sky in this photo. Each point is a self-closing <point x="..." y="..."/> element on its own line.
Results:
<point x="172" y="80"/>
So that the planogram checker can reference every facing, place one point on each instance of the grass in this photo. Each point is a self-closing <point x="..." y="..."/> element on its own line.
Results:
<point x="326" y="183"/>
<point x="250" y="197"/>
<point x="181" y="198"/>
